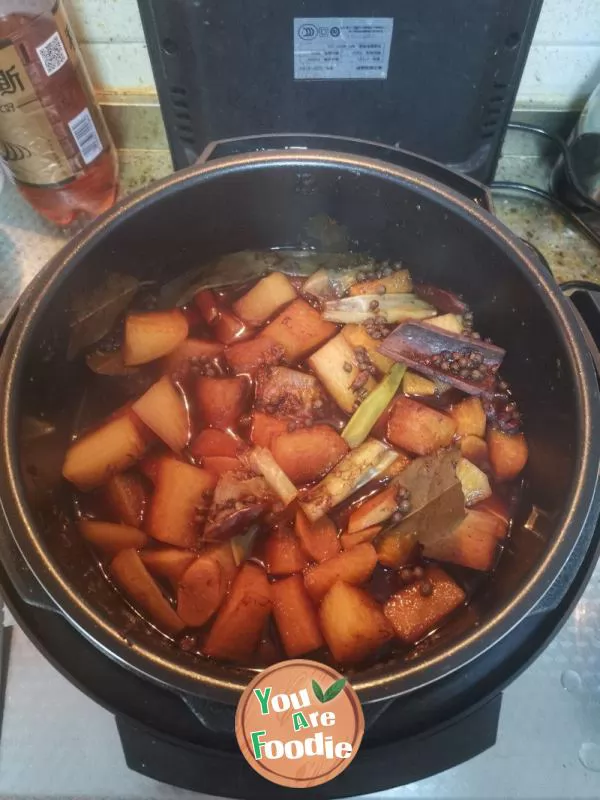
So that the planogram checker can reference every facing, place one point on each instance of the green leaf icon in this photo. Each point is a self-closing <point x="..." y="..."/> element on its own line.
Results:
<point x="334" y="690"/>
<point x="318" y="692"/>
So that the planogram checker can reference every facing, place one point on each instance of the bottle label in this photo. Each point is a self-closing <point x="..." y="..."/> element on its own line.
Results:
<point x="50" y="127"/>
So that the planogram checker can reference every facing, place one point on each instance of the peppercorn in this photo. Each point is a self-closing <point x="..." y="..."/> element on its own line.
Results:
<point x="426" y="588"/>
<point x="406" y="575"/>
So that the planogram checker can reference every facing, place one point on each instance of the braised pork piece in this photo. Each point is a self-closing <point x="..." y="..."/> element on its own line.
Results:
<point x="307" y="466"/>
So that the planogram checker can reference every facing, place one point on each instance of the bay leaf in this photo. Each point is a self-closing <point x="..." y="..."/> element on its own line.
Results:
<point x="94" y="313"/>
<point x="436" y="496"/>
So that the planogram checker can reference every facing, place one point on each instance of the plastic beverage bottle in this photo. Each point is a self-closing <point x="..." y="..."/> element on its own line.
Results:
<point x="53" y="137"/>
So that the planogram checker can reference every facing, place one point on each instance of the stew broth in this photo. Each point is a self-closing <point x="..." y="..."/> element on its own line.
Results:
<point x="261" y="479"/>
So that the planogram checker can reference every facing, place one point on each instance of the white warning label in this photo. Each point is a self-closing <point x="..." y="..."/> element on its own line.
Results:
<point x="342" y="48"/>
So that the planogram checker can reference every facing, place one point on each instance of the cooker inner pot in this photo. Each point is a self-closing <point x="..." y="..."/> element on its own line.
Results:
<point x="328" y="208"/>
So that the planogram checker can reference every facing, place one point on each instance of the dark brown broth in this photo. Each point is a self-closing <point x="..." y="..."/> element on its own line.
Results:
<point x="105" y="394"/>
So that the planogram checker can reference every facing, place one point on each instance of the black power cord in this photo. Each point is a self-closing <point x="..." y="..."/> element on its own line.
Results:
<point x="586" y="286"/>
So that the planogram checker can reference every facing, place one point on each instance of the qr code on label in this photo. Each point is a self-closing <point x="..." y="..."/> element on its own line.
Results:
<point x="52" y="54"/>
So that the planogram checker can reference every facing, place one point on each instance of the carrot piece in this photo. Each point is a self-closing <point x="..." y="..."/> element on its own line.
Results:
<point x="349" y="540"/>
<point x="207" y="304"/>
<point x="110" y="537"/>
<point x="214" y="442"/>
<point x="495" y="506"/>
<point x="237" y="629"/>
<point x="319" y="539"/>
<point x="283" y="554"/>
<point x="168" y="562"/>
<point x="113" y="447"/>
<point x="182" y="492"/>
<point x="226" y="326"/>
<point x="134" y="579"/>
<point x="203" y="586"/>
<point x="249" y="356"/>
<point x="419" y="428"/>
<point x="351" y="566"/>
<point x="469" y="417"/>
<point x="299" y="329"/>
<point x="230" y="329"/>
<point x="265" y="427"/>
<point x="508" y="454"/>
<point x="396" y="550"/>
<point x="163" y="410"/>
<point x="353" y="623"/>
<point x="266" y="297"/>
<point x="125" y="495"/>
<point x="178" y="363"/>
<point x="412" y="614"/>
<point x="472" y="543"/>
<point x="221" y="401"/>
<point x="152" y="334"/>
<point x="295" y="617"/>
<point x="308" y="453"/>
<point x="375" y="509"/>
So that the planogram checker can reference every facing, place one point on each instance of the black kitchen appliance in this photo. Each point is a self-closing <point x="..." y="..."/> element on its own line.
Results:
<point x="436" y="78"/>
<point x="187" y="741"/>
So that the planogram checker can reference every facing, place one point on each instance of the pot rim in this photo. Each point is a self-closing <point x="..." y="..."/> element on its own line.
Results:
<point x="226" y="683"/>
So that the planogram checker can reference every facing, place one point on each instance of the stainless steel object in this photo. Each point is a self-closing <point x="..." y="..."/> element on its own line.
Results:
<point x="576" y="177"/>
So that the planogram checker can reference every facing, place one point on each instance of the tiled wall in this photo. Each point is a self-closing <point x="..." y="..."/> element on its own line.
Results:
<point x="563" y="65"/>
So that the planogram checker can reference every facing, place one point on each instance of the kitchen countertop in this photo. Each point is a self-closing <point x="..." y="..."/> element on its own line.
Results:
<point x="56" y="743"/>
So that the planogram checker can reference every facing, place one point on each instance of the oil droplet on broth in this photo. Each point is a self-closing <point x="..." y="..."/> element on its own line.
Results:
<point x="571" y="681"/>
<point x="589" y="755"/>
